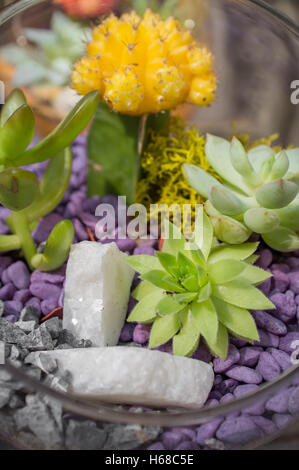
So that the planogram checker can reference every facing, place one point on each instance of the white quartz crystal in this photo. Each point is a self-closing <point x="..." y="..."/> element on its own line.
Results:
<point x="97" y="291"/>
<point x="132" y="375"/>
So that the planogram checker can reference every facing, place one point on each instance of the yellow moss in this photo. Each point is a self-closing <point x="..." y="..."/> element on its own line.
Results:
<point x="145" y="65"/>
<point x="245" y="139"/>
<point x="163" y="181"/>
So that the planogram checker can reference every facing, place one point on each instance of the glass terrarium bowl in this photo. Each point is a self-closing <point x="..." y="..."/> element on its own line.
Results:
<point x="256" y="59"/>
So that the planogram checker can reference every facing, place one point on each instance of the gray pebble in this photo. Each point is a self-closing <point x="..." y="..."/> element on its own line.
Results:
<point x="130" y="436"/>
<point x="30" y="313"/>
<point x="40" y="340"/>
<point x="84" y="435"/>
<point x="26" y="326"/>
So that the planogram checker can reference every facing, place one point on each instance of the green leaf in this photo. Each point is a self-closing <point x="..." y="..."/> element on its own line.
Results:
<point x="52" y="187"/>
<point x="229" y="230"/>
<point x="289" y="217"/>
<point x="277" y="194"/>
<point x="261" y="220"/>
<point x="173" y="239"/>
<point x="113" y="154"/>
<point x="143" y="289"/>
<point x="18" y="188"/>
<point x="252" y="259"/>
<point x="186" y="297"/>
<point x="254" y="275"/>
<point x="259" y="155"/>
<point x="17" y="133"/>
<point x="282" y="239"/>
<point x="199" y="180"/>
<point x="14" y="101"/>
<point x="280" y="167"/>
<point x="74" y="123"/>
<point x="205" y="316"/>
<point x="9" y="243"/>
<point x="189" y="269"/>
<point x="143" y="263"/>
<point x="146" y="310"/>
<point x="241" y="163"/>
<point x="293" y="157"/>
<point x="218" y="155"/>
<point x="237" y="320"/>
<point x="203" y="233"/>
<point x="186" y="341"/>
<point x="225" y="201"/>
<point x="163" y="329"/>
<point x="238" y="252"/>
<point x="204" y="293"/>
<point x="168" y="262"/>
<point x="160" y="279"/>
<point x="225" y="270"/>
<point x="57" y="247"/>
<point x="168" y="305"/>
<point x="242" y="295"/>
<point x="220" y="347"/>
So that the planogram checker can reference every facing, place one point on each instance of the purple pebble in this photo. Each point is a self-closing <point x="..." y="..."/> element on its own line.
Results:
<point x="269" y="323"/>
<point x="211" y="403"/>
<point x="249" y="356"/>
<point x="288" y="342"/>
<point x="80" y="231"/>
<point x="144" y="250"/>
<point x="293" y="263"/>
<point x="267" y="340"/>
<point x="7" y="292"/>
<point x="256" y="408"/>
<point x="171" y="439"/>
<point x="239" y="342"/>
<point x="34" y="302"/>
<point x="126" y="334"/>
<point x="281" y="281"/>
<point x="265" y="259"/>
<point x="265" y="287"/>
<point x="238" y="430"/>
<point x="266" y="425"/>
<point x="202" y="354"/>
<point x="226" y="398"/>
<point x="294" y="401"/>
<point x="227" y="386"/>
<point x="5" y="277"/>
<point x="48" y="305"/>
<point x="282" y="267"/>
<point x="156" y="446"/>
<point x="187" y="445"/>
<point x="294" y="282"/>
<point x="141" y="334"/>
<point x="44" y="290"/>
<point x="44" y="228"/>
<point x="244" y="374"/>
<point x="268" y="367"/>
<point x="89" y="220"/>
<point x="281" y="420"/>
<point x="51" y="278"/>
<point x="232" y="358"/>
<point x="280" y="402"/>
<point x="5" y="261"/>
<point x="285" y="305"/>
<point x="13" y="307"/>
<point x="22" y="295"/>
<point x="90" y="204"/>
<point x="126" y="244"/>
<point x="18" y="273"/>
<point x="281" y="357"/>
<point x="207" y="430"/>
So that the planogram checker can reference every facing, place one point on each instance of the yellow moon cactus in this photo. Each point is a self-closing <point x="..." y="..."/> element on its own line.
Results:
<point x="145" y="65"/>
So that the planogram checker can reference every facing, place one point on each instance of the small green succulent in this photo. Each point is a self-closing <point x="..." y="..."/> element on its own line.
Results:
<point x="51" y="53"/>
<point x="22" y="193"/>
<point x="258" y="193"/>
<point x="198" y="288"/>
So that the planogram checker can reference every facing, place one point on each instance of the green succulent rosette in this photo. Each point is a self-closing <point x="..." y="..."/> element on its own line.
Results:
<point x="259" y="192"/>
<point x="198" y="289"/>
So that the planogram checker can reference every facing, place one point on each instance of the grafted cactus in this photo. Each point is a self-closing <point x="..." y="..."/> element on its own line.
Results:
<point x="258" y="192"/>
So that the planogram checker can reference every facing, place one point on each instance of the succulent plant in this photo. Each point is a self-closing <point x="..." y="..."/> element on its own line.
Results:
<point x="22" y="193"/>
<point x="198" y="288"/>
<point x="258" y="192"/>
<point x="49" y="56"/>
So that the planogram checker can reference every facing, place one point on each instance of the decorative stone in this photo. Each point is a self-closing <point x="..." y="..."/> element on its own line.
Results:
<point x="97" y="291"/>
<point x="135" y="375"/>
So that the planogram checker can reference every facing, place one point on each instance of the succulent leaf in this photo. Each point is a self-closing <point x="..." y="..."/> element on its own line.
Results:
<point x="280" y="166"/>
<point x="203" y="232"/>
<point x="14" y="101"/>
<point x="57" y="247"/>
<point x="199" y="179"/>
<point x="258" y="155"/>
<point x="16" y="133"/>
<point x="236" y="252"/>
<point x="186" y="341"/>
<point x="163" y="329"/>
<point x="293" y="156"/>
<point x="225" y="201"/>
<point x="220" y="347"/>
<point x="225" y="270"/>
<point x="261" y="220"/>
<point x="146" y="309"/>
<point x="173" y="239"/>
<point x="143" y="289"/>
<point x="277" y="194"/>
<point x="18" y="188"/>
<point x="206" y="318"/>
<point x="289" y="217"/>
<point x="229" y="230"/>
<point x="160" y="279"/>
<point x="282" y="239"/>
<point x="168" y="305"/>
<point x="254" y="275"/>
<point x="242" y="294"/>
<point x="241" y="163"/>
<point x="143" y="263"/>
<point x="237" y="320"/>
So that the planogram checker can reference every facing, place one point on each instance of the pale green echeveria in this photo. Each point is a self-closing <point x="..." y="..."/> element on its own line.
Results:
<point x="198" y="289"/>
<point x="258" y="192"/>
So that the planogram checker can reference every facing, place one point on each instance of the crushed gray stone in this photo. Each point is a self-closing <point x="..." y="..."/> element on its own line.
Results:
<point x="40" y="340"/>
<point x="26" y="326"/>
<point x="54" y="327"/>
<point x="84" y="435"/>
<point x="130" y="436"/>
<point x="29" y="313"/>
<point x="1" y="308"/>
<point x="12" y="334"/>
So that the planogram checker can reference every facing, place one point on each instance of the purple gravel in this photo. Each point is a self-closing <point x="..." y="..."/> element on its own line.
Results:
<point x="244" y="374"/>
<point x="19" y="275"/>
<point x="268" y="367"/>
<point x="232" y="358"/>
<point x="238" y="431"/>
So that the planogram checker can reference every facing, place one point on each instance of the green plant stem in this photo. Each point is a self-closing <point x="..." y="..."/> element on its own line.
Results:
<point x="9" y="243"/>
<point x="21" y="229"/>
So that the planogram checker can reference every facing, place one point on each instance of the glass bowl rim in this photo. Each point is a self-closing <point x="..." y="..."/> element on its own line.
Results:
<point x="179" y="417"/>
